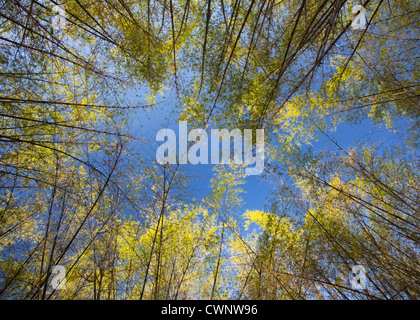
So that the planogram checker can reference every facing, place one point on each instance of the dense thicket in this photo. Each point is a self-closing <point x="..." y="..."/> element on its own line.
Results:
<point x="74" y="192"/>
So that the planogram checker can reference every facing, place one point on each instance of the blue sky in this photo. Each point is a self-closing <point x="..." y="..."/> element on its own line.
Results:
<point x="146" y="123"/>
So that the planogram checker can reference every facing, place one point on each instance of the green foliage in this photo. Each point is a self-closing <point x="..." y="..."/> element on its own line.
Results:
<point x="78" y="189"/>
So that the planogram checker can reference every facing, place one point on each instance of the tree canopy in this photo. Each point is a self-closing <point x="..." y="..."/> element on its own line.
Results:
<point x="78" y="187"/>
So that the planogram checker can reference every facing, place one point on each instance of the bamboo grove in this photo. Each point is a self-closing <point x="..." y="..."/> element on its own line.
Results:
<point x="74" y="191"/>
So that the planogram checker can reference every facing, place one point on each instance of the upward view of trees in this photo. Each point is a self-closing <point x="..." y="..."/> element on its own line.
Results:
<point x="341" y="112"/>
